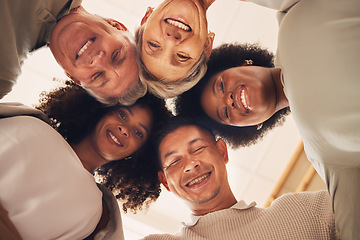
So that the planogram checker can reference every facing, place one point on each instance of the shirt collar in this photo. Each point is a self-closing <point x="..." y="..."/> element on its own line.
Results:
<point x="46" y="16"/>
<point x="241" y="205"/>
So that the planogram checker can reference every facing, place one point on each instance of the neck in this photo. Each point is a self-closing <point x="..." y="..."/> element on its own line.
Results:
<point x="219" y="202"/>
<point x="87" y="155"/>
<point x="281" y="100"/>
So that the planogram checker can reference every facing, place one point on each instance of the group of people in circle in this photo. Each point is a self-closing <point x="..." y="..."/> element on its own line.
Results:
<point x="105" y="122"/>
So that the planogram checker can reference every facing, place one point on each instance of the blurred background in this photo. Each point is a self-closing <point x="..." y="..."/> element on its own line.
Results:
<point x="258" y="173"/>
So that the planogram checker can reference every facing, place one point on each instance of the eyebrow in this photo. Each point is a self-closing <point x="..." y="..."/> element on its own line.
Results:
<point x="217" y="110"/>
<point x="145" y="128"/>
<point x="189" y="144"/>
<point x="129" y="110"/>
<point x="213" y="88"/>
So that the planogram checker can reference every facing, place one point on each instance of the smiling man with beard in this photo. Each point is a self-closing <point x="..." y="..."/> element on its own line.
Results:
<point x="96" y="53"/>
<point x="193" y="167"/>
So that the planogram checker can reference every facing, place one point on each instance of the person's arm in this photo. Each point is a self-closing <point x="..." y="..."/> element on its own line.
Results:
<point x="280" y="5"/>
<point x="7" y="228"/>
<point x="320" y="204"/>
<point x="5" y="87"/>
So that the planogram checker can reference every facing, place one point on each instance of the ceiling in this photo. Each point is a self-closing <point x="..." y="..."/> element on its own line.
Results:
<point x="253" y="171"/>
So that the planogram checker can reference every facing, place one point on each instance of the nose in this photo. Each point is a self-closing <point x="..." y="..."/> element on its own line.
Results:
<point x="191" y="164"/>
<point x="229" y="100"/>
<point x="172" y="34"/>
<point x="98" y="59"/>
<point x="123" y="130"/>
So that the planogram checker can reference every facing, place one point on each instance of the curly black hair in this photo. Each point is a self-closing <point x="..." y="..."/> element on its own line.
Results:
<point x="74" y="114"/>
<point x="224" y="57"/>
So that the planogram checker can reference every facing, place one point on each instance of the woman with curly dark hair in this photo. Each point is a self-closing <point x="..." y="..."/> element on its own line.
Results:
<point x="127" y="165"/>
<point x="240" y="97"/>
<point x="48" y="179"/>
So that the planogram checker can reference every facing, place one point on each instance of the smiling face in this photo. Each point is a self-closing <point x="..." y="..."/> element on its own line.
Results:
<point x="175" y="36"/>
<point x="95" y="53"/>
<point x="194" y="167"/>
<point x="240" y="96"/>
<point x="122" y="132"/>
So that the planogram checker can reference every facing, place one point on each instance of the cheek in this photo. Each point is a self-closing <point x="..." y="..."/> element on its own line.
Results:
<point x="79" y="73"/>
<point x="134" y="146"/>
<point x="194" y="46"/>
<point x="208" y="104"/>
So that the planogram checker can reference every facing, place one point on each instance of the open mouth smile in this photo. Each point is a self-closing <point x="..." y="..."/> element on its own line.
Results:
<point x="84" y="47"/>
<point x="115" y="139"/>
<point x="178" y="24"/>
<point x="243" y="100"/>
<point x="198" y="180"/>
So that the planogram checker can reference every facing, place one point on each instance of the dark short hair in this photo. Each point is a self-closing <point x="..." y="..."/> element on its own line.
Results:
<point x="74" y="114"/>
<point x="224" y="57"/>
<point x="171" y="125"/>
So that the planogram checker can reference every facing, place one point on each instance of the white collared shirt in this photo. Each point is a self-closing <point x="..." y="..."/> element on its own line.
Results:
<point x="241" y="205"/>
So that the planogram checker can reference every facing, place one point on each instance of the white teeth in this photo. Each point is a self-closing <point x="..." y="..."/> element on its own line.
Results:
<point x="114" y="138"/>
<point x="197" y="180"/>
<point x="86" y="45"/>
<point x="242" y="97"/>
<point x="178" y="24"/>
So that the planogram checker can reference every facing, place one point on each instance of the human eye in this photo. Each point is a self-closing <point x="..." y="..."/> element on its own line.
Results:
<point x="96" y="76"/>
<point x="199" y="149"/>
<point x="115" y="55"/>
<point x="225" y="114"/>
<point x="183" y="57"/>
<point x="122" y="114"/>
<point x="139" y="134"/>
<point x="118" y="56"/>
<point x="153" y="46"/>
<point x="173" y="162"/>
<point x="222" y="85"/>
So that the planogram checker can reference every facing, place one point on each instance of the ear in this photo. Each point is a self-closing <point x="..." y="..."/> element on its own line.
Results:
<point x="149" y="11"/>
<point x="221" y="146"/>
<point x="209" y="44"/>
<point x="116" y="24"/>
<point x="163" y="180"/>
<point x="73" y="79"/>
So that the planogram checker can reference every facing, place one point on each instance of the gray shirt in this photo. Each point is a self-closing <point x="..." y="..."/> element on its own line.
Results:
<point x="25" y="26"/>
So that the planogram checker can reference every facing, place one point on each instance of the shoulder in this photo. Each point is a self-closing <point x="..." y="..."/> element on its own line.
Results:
<point x="22" y="128"/>
<point x="280" y="5"/>
<point x="162" y="237"/>
<point x="317" y="204"/>
<point x="309" y="199"/>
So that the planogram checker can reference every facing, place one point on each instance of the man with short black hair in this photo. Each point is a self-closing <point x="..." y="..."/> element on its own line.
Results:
<point x="193" y="167"/>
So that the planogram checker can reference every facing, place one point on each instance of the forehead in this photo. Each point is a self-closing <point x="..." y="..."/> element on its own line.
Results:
<point x="182" y="137"/>
<point x="142" y="113"/>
